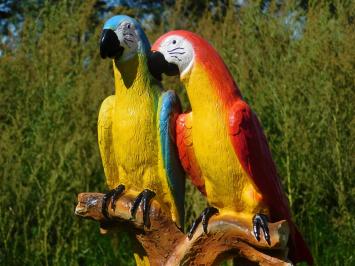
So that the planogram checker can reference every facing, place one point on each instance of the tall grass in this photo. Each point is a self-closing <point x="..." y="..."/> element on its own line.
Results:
<point x="51" y="87"/>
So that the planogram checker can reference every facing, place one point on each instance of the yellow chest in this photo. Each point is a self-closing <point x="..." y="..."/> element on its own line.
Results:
<point x="225" y="179"/>
<point x="224" y="176"/>
<point x="134" y="132"/>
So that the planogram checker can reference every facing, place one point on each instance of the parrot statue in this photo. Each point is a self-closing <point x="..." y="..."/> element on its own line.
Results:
<point x="136" y="126"/>
<point x="221" y="143"/>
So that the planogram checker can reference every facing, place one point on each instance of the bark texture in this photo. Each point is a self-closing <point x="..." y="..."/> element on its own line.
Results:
<point x="165" y="244"/>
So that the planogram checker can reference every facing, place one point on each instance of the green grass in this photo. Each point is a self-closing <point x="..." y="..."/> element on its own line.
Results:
<point x="51" y="87"/>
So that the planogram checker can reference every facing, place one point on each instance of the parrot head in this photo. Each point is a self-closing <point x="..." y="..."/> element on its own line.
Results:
<point x="183" y="49"/>
<point x="122" y="38"/>
<point x="179" y="52"/>
<point x="172" y="54"/>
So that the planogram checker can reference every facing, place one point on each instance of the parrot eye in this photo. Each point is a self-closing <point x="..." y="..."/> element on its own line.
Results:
<point x="128" y="26"/>
<point x="174" y="41"/>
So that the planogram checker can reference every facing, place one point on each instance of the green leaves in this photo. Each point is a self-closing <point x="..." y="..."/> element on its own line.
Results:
<point x="52" y="84"/>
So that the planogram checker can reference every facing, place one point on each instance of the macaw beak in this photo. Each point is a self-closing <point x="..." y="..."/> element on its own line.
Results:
<point x="110" y="45"/>
<point x="158" y="65"/>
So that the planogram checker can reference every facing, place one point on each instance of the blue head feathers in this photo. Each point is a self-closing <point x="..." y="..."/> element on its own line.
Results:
<point x="114" y="22"/>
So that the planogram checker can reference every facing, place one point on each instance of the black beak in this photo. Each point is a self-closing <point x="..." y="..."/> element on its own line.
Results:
<point x="158" y="65"/>
<point x="110" y="45"/>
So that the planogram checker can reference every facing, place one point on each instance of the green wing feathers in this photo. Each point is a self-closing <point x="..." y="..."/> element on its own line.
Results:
<point x="105" y="139"/>
<point x="168" y="110"/>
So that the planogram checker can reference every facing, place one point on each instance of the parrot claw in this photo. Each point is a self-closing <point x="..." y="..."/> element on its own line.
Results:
<point x="261" y="221"/>
<point x="204" y="218"/>
<point x="145" y="196"/>
<point x="114" y="194"/>
<point x="117" y="192"/>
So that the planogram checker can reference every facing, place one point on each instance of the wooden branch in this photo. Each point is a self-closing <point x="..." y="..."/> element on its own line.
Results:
<point x="165" y="244"/>
<point x="158" y="241"/>
<point x="227" y="236"/>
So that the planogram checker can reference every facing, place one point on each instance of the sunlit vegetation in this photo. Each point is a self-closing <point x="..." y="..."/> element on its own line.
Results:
<point x="300" y="83"/>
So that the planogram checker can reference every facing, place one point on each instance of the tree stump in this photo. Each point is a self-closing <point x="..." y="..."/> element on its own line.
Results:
<point x="165" y="244"/>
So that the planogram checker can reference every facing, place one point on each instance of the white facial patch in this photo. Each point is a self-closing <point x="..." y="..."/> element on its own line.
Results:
<point x="179" y="51"/>
<point x="128" y="38"/>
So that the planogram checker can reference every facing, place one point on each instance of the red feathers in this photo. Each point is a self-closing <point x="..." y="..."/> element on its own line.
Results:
<point x="186" y="151"/>
<point x="246" y="134"/>
<point x="253" y="152"/>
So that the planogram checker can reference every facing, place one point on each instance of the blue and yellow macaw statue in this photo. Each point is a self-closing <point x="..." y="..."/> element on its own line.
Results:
<point x="136" y="126"/>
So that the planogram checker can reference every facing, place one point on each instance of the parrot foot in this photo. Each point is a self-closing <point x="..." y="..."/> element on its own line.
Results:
<point x="261" y="221"/>
<point x="114" y="194"/>
<point x="145" y="196"/>
<point x="204" y="218"/>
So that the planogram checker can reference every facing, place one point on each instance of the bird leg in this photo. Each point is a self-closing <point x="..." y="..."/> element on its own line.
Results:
<point x="204" y="217"/>
<point x="114" y="194"/>
<point x="261" y="221"/>
<point x="145" y="196"/>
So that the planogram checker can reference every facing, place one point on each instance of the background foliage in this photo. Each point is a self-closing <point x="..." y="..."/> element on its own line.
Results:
<point x="294" y="63"/>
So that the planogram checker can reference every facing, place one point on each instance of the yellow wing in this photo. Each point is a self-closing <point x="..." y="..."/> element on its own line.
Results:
<point x="104" y="128"/>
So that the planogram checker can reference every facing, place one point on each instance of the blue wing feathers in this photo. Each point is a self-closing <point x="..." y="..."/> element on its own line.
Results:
<point x="170" y="107"/>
